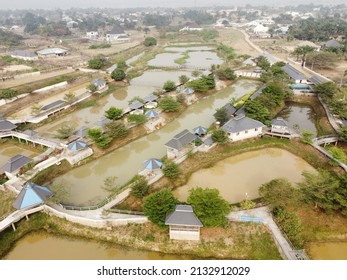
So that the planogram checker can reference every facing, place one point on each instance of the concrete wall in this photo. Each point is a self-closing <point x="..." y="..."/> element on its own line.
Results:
<point x="185" y="235"/>
<point x="245" y="135"/>
<point x="37" y="73"/>
<point x="50" y="87"/>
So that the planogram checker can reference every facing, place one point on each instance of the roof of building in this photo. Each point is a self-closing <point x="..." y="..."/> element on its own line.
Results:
<point x="52" y="51"/>
<point x="181" y="140"/>
<point x="332" y="44"/>
<point x="31" y="195"/>
<point x="200" y="130"/>
<point x="208" y="141"/>
<point x="99" y="82"/>
<point x="152" y="164"/>
<point x="315" y="80"/>
<point x="82" y="131"/>
<point x="188" y="90"/>
<point x="14" y="163"/>
<point x="241" y="123"/>
<point x="116" y="30"/>
<point x="150" y="98"/>
<point x="307" y="43"/>
<point x="151" y="114"/>
<point x="30" y="132"/>
<point x="136" y="105"/>
<point x="52" y="105"/>
<point x="249" y="61"/>
<point x="183" y="216"/>
<point x="279" y="122"/>
<point x="257" y="93"/>
<point x="229" y="108"/>
<point x="6" y="125"/>
<point x="293" y="72"/>
<point x="77" y="145"/>
<point x="269" y="57"/>
<point x="24" y="53"/>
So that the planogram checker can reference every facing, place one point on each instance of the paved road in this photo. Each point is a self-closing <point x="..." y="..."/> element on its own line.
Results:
<point x="264" y="214"/>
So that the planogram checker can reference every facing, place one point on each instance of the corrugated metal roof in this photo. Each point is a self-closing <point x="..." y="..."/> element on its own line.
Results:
<point x="52" y="105"/>
<point x="6" y="125"/>
<point x="293" y="72"/>
<point x="241" y="123"/>
<point x="14" y="163"/>
<point x="181" y="140"/>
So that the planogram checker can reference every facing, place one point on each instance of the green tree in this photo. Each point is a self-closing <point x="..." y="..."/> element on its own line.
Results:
<point x="219" y="136"/>
<point x="101" y="140"/>
<point x="221" y="115"/>
<point x="150" y="41"/>
<point x="137" y="119"/>
<point x="257" y="111"/>
<point x="183" y="79"/>
<point x="326" y="89"/>
<point x="307" y="136"/>
<point x="8" y="93"/>
<point x="343" y="133"/>
<point x="171" y="169"/>
<point x="195" y="73"/>
<point x="209" y="81"/>
<point x="157" y="205"/>
<point x="226" y="74"/>
<point x="209" y="206"/>
<point x="140" y="188"/>
<point x="263" y="63"/>
<point x="169" y="85"/>
<point x="70" y="97"/>
<point x="301" y="52"/>
<point x="65" y="131"/>
<point x="96" y="63"/>
<point x="93" y="88"/>
<point x="118" y="74"/>
<point x="114" y="113"/>
<point x="116" y="129"/>
<point x="321" y="59"/>
<point x="198" y="85"/>
<point x="169" y="104"/>
<point x="122" y="65"/>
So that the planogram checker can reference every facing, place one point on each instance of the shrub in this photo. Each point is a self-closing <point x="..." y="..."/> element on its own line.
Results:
<point x="118" y="74"/>
<point x="113" y="113"/>
<point x="171" y="169"/>
<point x="138" y="119"/>
<point x="140" y="188"/>
<point x="219" y="136"/>
<point x="168" y="104"/>
<point x="150" y="41"/>
<point x="169" y="85"/>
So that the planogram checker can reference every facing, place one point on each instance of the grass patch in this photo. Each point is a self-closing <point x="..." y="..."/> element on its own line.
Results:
<point x="86" y="104"/>
<point x="182" y="60"/>
<point x="6" y="200"/>
<point x="51" y="172"/>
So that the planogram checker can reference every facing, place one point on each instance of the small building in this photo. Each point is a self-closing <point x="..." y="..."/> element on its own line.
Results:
<point x="136" y="105"/>
<point x="242" y="127"/>
<point x="249" y="62"/>
<point x="331" y="44"/>
<point x="52" y="52"/>
<point x="24" y="54"/>
<point x="295" y="75"/>
<point x="100" y="85"/>
<point x="279" y="125"/>
<point x="117" y="34"/>
<point x="180" y="144"/>
<point x="150" y="98"/>
<point x="13" y="165"/>
<point x="92" y="35"/>
<point x="191" y="26"/>
<point x="6" y="125"/>
<point x="230" y="109"/>
<point x="76" y="146"/>
<point x="183" y="223"/>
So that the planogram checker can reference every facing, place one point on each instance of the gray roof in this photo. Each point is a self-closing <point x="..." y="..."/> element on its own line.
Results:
<point x="52" y="105"/>
<point x="241" y="111"/>
<point x="181" y="140"/>
<point x="241" y="123"/>
<point x="82" y="131"/>
<point x="183" y="216"/>
<point x="30" y="132"/>
<point x="315" y="80"/>
<point x="293" y="72"/>
<point x="208" y="141"/>
<point x="99" y="82"/>
<point x="52" y="51"/>
<point x="150" y="98"/>
<point x="135" y="105"/>
<point x="6" y="125"/>
<point x="257" y="93"/>
<point x="116" y="30"/>
<point x="23" y="53"/>
<point x="332" y="44"/>
<point x="249" y="61"/>
<point x="229" y="108"/>
<point x="103" y="121"/>
<point x="14" y="163"/>
<point x="279" y="122"/>
<point x="269" y="57"/>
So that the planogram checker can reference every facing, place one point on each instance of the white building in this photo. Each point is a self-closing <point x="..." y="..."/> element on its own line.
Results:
<point x="52" y="52"/>
<point x="100" y="85"/>
<point x="279" y="125"/>
<point x="180" y="144"/>
<point x="242" y="127"/>
<point x="117" y="34"/>
<point x="191" y="26"/>
<point x="92" y="35"/>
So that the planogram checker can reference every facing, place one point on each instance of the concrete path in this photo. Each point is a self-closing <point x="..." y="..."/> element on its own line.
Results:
<point x="264" y="216"/>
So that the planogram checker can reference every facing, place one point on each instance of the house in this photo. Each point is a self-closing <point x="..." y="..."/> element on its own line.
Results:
<point x="24" y="54"/>
<point x="180" y="144"/>
<point x="230" y="109"/>
<point x="92" y="35"/>
<point x="331" y="44"/>
<point x="52" y="52"/>
<point x="13" y="165"/>
<point x="249" y="62"/>
<point x="6" y="125"/>
<point x="183" y="223"/>
<point x="117" y="34"/>
<point x="100" y="85"/>
<point x="279" y="125"/>
<point x="260" y="29"/>
<point x="191" y="26"/>
<point x="242" y="127"/>
<point x="310" y="44"/>
<point x="295" y="75"/>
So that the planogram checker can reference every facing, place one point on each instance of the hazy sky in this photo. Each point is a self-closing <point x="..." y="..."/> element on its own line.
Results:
<point x="49" y="4"/>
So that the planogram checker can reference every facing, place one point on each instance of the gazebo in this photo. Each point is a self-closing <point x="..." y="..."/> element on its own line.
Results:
<point x="188" y="90"/>
<point x="152" y="164"/>
<point x="77" y="145"/>
<point x="151" y="114"/>
<point x="31" y="195"/>
<point x="200" y="131"/>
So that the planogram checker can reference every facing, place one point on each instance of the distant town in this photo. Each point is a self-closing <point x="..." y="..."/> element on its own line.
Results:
<point x="215" y="133"/>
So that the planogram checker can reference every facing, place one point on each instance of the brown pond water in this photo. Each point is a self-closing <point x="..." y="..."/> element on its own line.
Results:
<point x="10" y="149"/>
<point x="84" y="184"/>
<point x="244" y="173"/>
<point x="328" y="251"/>
<point x="34" y="247"/>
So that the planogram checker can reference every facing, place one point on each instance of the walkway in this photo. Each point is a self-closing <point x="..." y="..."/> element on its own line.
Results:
<point x="28" y="138"/>
<point x="264" y="216"/>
